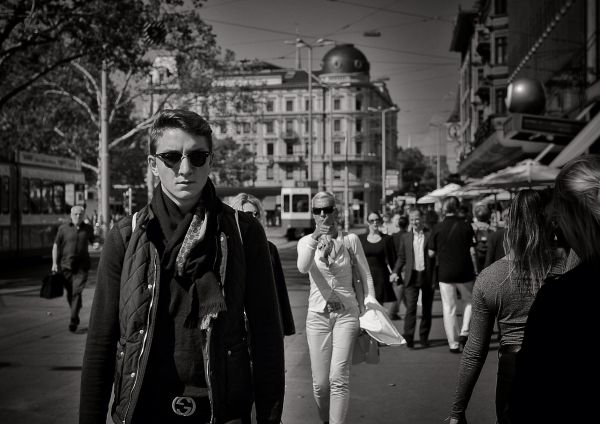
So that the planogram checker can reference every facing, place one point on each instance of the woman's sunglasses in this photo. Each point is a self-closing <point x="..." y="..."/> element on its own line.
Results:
<point x="373" y="221"/>
<point x="196" y="158"/>
<point x="327" y="209"/>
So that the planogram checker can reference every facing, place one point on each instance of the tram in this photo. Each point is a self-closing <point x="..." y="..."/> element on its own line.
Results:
<point x="37" y="192"/>
<point x="296" y="215"/>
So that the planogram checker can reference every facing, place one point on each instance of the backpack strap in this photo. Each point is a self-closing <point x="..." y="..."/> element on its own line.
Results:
<point x="134" y="222"/>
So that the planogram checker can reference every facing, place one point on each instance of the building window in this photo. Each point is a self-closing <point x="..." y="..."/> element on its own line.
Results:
<point x="337" y="104"/>
<point x="289" y="149"/>
<point x="269" y="172"/>
<point x="306" y="105"/>
<point x="337" y="147"/>
<point x="358" y="125"/>
<point x="289" y="105"/>
<point x="337" y="124"/>
<point x="359" y="172"/>
<point x="246" y="127"/>
<point x="500" y="49"/>
<point x="358" y="103"/>
<point x="500" y="103"/>
<point x="306" y="126"/>
<point x="238" y="128"/>
<point x="289" y="127"/>
<point x="337" y="172"/>
<point x="289" y="172"/>
<point x="500" y="7"/>
<point x="269" y="127"/>
<point x="358" y="147"/>
<point x="270" y="149"/>
<point x="270" y="105"/>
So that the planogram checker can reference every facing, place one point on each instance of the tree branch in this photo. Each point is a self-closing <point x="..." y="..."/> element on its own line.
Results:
<point x="77" y="100"/>
<point x="89" y="77"/>
<point x="120" y="95"/>
<point x="139" y="127"/>
<point x="5" y="98"/>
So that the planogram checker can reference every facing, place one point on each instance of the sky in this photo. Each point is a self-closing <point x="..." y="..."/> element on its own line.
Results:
<point x="412" y="51"/>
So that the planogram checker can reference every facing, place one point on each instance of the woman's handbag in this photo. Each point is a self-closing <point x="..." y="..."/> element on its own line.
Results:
<point x="366" y="349"/>
<point x="52" y="285"/>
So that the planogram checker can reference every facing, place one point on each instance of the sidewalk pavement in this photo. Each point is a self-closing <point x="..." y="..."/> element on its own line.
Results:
<point x="40" y="364"/>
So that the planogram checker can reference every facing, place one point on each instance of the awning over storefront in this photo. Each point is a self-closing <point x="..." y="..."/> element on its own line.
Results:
<point x="582" y="141"/>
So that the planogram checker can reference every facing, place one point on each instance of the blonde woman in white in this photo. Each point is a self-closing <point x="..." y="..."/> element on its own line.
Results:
<point x="332" y="320"/>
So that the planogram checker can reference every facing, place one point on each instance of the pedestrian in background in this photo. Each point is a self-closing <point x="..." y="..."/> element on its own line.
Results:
<point x="332" y="320"/>
<point x="416" y="265"/>
<point x="504" y="293"/>
<point x="178" y="284"/>
<point x="557" y="366"/>
<point x="482" y="230"/>
<point x="395" y="279"/>
<point x="379" y="251"/>
<point x="251" y="205"/>
<point x="451" y="242"/>
<point x="495" y="242"/>
<point x="70" y="255"/>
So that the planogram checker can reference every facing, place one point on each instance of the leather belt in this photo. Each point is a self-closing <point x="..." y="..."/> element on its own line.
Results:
<point x="183" y="405"/>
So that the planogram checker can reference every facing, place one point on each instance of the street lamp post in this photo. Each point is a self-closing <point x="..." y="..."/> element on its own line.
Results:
<point x="383" y="149"/>
<point x="299" y="43"/>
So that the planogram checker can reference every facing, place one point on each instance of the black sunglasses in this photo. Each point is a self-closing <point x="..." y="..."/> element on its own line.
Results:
<point x="373" y="221"/>
<point x="197" y="158"/>
<point x="255" y="214"/>
<point x="327" y="209"/>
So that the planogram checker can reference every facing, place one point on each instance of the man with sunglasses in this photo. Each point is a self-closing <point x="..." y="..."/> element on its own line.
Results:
<point x="176" y="283"/>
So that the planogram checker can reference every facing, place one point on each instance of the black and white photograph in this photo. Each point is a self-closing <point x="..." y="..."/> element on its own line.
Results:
<point x="299" y="211"/>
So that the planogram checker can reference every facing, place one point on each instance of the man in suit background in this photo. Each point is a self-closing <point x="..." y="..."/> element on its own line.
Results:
<point x="416" y="266"/>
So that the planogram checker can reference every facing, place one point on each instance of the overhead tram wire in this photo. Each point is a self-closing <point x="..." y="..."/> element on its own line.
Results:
<point x="399" y="12"/>
<point x="348" y="25"/>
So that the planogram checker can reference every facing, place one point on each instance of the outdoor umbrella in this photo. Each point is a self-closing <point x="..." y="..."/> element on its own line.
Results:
<point x="447" y="190"/>
<point x="527" y="173"/>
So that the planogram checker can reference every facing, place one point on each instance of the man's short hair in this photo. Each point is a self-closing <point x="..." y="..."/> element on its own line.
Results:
<point x="77" y="208"/>
<point x="187" y="121"/>
<point x="403" y="222"/>
<point x="450" y="205"/>
<point x="414" y="209"/>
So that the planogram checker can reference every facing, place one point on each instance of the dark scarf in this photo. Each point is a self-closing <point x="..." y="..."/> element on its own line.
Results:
<point x="191" y="252"/>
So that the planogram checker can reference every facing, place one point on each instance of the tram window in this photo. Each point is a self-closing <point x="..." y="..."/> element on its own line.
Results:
<point x="25" y="195"/>
<point x="300" y="203"/>
<point x="35" y="196"/>
<point x="59" y="198"/>
<point x="286" y="203"/>
<point x="5" y="195"/>
<point x="46" y="200"/>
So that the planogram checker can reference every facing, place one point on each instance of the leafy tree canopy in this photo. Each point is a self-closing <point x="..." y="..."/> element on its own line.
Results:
<point x="233" y="165"/>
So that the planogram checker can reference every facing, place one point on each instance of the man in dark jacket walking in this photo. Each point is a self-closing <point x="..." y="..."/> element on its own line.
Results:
<point x="176" y="283"/>
<point x="452" y="243"/>
<point x="70" y="256"/>
<point x="416" y="266"/>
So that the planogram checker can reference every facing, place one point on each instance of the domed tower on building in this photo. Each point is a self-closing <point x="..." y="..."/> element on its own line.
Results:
<point x="345" y="63"/>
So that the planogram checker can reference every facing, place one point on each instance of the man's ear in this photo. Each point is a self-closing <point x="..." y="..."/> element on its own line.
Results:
<point x="152" y="165"/>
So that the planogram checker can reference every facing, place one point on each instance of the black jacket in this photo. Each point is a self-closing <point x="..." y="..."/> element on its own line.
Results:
<point x="121" y="324"/>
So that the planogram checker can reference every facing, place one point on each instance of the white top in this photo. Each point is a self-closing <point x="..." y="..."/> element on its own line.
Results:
<point x="419" y="253"/>
<point x="324" y="280"/>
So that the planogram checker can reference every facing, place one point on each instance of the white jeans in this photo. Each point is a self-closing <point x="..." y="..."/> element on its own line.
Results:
<point x="448" y="292"/>
<point x="331" y="337"/>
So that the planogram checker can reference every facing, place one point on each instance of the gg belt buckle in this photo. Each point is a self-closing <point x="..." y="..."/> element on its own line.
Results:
<point x="184" y="406"/>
